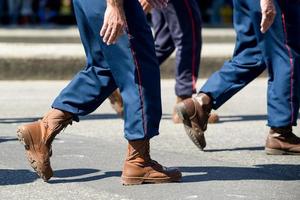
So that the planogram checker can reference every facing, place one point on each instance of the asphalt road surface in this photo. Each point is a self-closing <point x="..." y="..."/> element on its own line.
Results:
<point x="88" y="156"/>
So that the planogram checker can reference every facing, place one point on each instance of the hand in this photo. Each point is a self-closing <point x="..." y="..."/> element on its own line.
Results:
<point x="114" y="24"/>
<point x="158" y="3"/>
<point x="268" y="12"/>
<point x="146" y="6"/>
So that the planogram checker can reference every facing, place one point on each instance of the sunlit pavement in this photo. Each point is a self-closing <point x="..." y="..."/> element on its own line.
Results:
<point x="87" y="156"/>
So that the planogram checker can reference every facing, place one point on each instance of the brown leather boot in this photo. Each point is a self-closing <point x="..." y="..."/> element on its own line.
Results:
<point x="140" y="168"/>
<point x="176" y="119"/>
<point x="194" y="113"/>
<point x="116" y="102"/>
<point x="37" y="138"/>
<point x="212" y="119"/>
<point x="281" y="141"/>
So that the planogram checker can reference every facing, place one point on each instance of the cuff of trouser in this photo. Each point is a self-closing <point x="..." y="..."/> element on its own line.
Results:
<point x="280" y="124"/>
<point x="135" y="136"/>
<point x="184" y="93"/>
<point x="66" y="108"/>
<point x="215" y="105"/>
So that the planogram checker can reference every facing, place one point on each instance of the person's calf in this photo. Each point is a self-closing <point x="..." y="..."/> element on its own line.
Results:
<point x="116" y="102"/>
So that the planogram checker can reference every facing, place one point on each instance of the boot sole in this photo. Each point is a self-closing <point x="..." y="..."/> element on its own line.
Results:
<point x="127" y="181"/>
<point x="181" y="111"/>
<point x="270" y="151"/>
<point x="24" y="137"/>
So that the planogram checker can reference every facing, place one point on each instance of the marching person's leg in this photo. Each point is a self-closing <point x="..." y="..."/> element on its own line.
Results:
<point x="109" y="67"/>
<point x="14" y="7"/>
<point x="82" y="95"/>
<point x="281" y="48"/>
<point x="164" y="45"/>
<point x="247" y="63"/>
<point x="184" y="21"/>
<point x="142" y="103"/>
<point x="180" y="24"/>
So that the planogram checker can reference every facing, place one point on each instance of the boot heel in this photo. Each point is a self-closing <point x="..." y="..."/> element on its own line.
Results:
<point x="181" y="111"/>
<point x="132" y="180"/>
<point x="270" y="151"/>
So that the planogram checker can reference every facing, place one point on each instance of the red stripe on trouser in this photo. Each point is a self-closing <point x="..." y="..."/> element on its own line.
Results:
<point x="291" y="65"/>
<point x="140" y="86"/>
<point x="193" y="44"/>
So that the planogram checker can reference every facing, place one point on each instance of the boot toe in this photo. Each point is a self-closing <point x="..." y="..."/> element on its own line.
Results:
<point x="174" y="174"/>
<point x="197" y="137"/>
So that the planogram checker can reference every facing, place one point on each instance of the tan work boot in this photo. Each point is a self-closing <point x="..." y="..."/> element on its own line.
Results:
<point x="176" y="119"/>
<point x="281" y="141"/>
<point x="140" y="168"/>
<point x="116" y="102"/>
<point x="194" y="113"/>
<point x="37" y="138"/>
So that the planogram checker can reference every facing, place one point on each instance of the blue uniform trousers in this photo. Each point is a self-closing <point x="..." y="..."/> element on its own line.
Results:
<point x="278" y="50"/>
<point x="130" y="65"/>
<point x="179" y="26"/>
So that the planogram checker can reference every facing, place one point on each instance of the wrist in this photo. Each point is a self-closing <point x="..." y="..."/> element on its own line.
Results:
<point x="115" y="3"/>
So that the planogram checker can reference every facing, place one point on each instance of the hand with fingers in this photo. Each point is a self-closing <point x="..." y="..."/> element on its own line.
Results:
<point x="268" y="12"/>
<point x="114" y="22"/>
<point x="146" y="6"/>
<point x="158" y="3"/>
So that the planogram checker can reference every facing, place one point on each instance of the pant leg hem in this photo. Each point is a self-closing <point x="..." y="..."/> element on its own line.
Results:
<point x="278" y="125"/>
<point x="150" y="135"/>
<point x="67" y="108"/>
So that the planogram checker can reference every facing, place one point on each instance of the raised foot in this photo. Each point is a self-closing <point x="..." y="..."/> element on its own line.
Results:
<point x="23" y="136"/>
<point x="197" y="137"/>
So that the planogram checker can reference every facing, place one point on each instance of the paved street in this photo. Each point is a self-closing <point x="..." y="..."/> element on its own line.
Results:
<point x="88" y="156"/>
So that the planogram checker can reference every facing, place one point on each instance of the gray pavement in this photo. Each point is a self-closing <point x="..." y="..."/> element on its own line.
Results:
<point x="88" y="156"/>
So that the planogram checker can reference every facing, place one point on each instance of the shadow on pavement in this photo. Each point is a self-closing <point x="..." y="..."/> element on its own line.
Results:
<point x="16" y="176"/>
<point x="100" y="116"/>
<point x="104" y="116"/>
<point x="7" y="139"/>
<point x="238" y="118"/>
<point x="32" y="119"/>
<point x="237" y="149"/>
<point x="23" y="176"/>
<point x="66" y="174"/>
<point x="107" y="116"/>
<point x="17" y="120"/>
<point x="280" y="172"/>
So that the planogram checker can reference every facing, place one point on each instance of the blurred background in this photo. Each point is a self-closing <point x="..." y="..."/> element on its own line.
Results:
<point x="60" y="12"/>
<point x="39" y="39"/>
